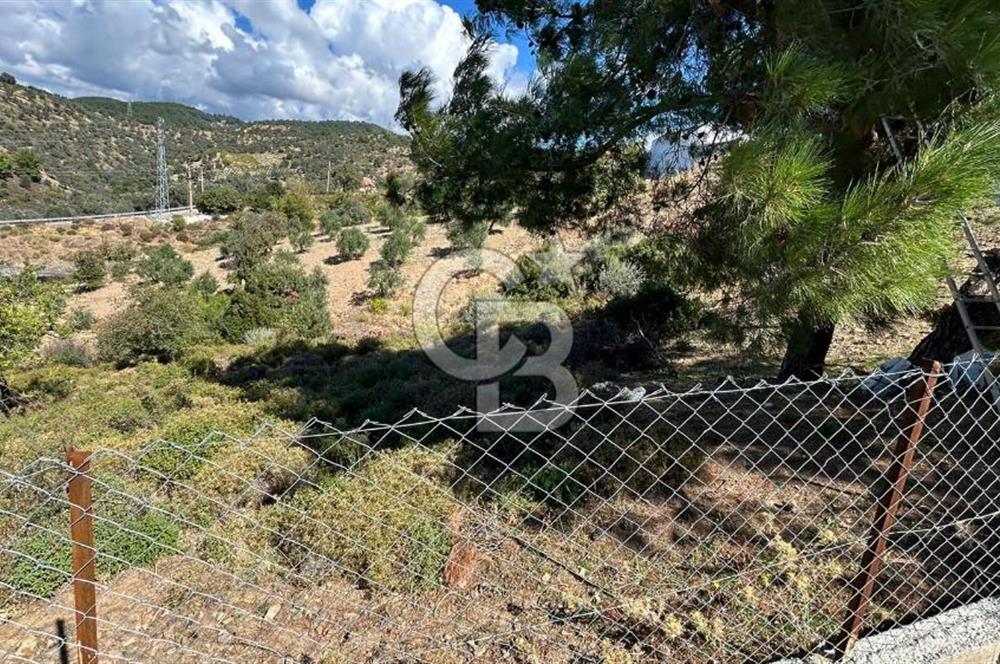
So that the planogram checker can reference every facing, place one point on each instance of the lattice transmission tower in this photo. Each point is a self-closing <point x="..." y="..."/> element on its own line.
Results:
<point x="162" y="180"/>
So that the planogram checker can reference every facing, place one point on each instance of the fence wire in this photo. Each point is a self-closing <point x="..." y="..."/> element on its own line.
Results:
<point x="715" y="525"/>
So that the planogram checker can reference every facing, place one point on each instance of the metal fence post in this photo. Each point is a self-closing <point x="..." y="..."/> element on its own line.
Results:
<point x="918" y="401"/>
<point x="81" y="522"/>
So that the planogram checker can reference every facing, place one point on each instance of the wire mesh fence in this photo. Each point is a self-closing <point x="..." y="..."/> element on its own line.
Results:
<point x="715" y="525"/>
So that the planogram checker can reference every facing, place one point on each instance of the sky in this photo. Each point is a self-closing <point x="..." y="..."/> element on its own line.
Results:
<point x="253" y="59"/>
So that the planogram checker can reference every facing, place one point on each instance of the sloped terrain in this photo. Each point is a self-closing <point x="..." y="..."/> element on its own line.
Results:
<point x="96" y="157"/>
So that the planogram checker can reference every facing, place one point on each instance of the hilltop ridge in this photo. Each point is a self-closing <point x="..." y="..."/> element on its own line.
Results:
<point x="93" y="156"/>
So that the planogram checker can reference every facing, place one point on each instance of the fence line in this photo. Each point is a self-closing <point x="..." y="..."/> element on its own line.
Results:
<point x="91" y="217"/>
<point x="714" y="525"/>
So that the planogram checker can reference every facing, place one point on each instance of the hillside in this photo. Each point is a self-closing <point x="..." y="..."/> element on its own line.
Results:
<point x="93" y="157"/>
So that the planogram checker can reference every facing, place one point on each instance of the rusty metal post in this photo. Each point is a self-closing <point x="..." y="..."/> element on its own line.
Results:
<point x="918" y="401"/>
<point x="81" y="524"/>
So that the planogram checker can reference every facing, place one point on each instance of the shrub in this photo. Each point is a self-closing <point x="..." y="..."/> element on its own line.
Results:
<point x="463" y="236"/>
<point x="297" y="205"/>
<point x="352" y="243"/>
<point x="397" y="248"/>
<point x="26" y="165"/>
<point x="219" y="200"/>
<point x="417" y="229"/>
<point x="125" y="537"/>
<point x="379" y="306"/>
<point x="178" y="223"/>
<point x="397" y="188"/>
<point x="89" y="269"/>
<point x="205" y="285"/>
<point x="397" y="545"/>
<point x="547" y="274"/>
<point x="119" y="258"/>
<point x="200" y="361"/>
<point x="279" y="293"/>
<point x="260" y="336"/>
<point x="163" y="265"/>
<point x="390" y="216"/>
<point x="68" y="352"/>
<point x="620" y="278"/>
<point x="353" y="212"/>
<point x="79" y="319"/>
<point x="251" y="240"/>
<point x="330" y="223"/>
<point x="147" y="236"/>
<point x="51" y="382"/>
<point x="187" y="439"/>
<point x="119" y="269"/>
<point x="157" y="323"/>
<point x="384" y="278"/>
<point x="300" y="235"/>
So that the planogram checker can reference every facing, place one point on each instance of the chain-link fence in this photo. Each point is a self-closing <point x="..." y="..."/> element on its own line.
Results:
<point x="715" y="525"/>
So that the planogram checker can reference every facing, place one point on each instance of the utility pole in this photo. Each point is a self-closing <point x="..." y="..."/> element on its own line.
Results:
<point x="190" y="191"/>
<point x="162" y="179"/>
<point x="328" y="176"/>
<point x="128" y="113"/>
<point x="201" y="178"/>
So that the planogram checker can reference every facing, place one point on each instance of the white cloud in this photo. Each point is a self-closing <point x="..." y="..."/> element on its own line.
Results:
<point x="341" y="60"/>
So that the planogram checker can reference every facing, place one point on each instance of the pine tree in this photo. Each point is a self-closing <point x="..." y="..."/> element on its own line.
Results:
<point x="861" y="130"/>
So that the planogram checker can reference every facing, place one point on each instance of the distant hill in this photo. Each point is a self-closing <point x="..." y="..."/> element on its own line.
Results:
<point x="175" y="115"/>
<point x="94" y="157"/>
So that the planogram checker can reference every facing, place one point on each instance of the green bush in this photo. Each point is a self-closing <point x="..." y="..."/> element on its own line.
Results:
<point x="219" y="200"/>
<point x="300" y="235"/>
<point x="123" y="538"/>
<point x="296" y="204"/>
<point x="205" y="285"/>
<point x="26" y="165"/>
<point x="390" y="216"/>
<point x="352" y="243"/>
<point x="353" y="212"/>
<point x="89" y="269"/>
<point x="79" y="319"/>
<point x="68" y="352"/>
<point x="251" y="239"/>
<point x="178" y="223"/>
<point x="119" y="258"/>
<point x="163" y="265"/>
<point x="397" y="544"/>
<point x="463" y="236"/>
<point x="397" y="247"/>
<point x="379" y="306"/>
<point x="384" y="278"/>
<point x="330" y="223"/>
<point x="278" y="293"/>
<point x="183" y="444"/>
<point x="158" y="323"/>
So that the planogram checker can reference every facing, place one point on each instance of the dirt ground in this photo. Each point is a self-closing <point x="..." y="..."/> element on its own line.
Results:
<point x="52" y="245"/>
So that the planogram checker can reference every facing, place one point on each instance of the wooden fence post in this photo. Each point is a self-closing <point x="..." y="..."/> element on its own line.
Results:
<point x="918" y="401"/>
<point x="81" y="525"/>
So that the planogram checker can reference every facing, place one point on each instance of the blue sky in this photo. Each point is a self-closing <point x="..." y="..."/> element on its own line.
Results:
<point x="302" y="59"/>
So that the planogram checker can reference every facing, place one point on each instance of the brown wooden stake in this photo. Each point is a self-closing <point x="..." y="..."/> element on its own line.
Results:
<point x="81" y="526"/>
<point x="918" y="401"/>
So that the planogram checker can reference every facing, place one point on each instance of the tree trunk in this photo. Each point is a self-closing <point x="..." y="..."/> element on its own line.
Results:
<point x="8" y="397"/>
<point x="808" y="344"/>
<point x="949" y="338"/>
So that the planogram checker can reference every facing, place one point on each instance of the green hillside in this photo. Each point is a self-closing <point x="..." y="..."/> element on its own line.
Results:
<point x="93" y="157"/>
<point x="176" y="115"/>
